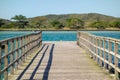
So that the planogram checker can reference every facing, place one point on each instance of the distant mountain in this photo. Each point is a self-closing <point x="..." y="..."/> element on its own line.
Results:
<point x="85" y="17"/>
<point x="88" y="18"/>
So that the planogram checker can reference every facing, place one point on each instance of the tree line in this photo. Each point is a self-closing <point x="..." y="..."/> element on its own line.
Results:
<point x="21" y="22"/>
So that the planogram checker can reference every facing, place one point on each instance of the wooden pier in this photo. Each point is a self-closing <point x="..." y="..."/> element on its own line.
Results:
<point x="62" y="60"/>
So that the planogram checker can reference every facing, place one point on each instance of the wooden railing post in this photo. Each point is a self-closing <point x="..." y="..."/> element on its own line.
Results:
<point x="78" y="38"/>
<point x="104" y="53"/>
<point x="11" y="56"/>
<point x="0" y="62"/>
<point x="116" y="60"/>
<point x="97" y="49"/>
<point x="79" y="35"/>
<point x="94" y="47"/>
<point x="25" y="47"/>
<point x="22" y="51"/>
<point x="17" y="53"/>
<point x="109" y="55"/>
<point x="100" y="53"/>
<point x="6" y="60"/>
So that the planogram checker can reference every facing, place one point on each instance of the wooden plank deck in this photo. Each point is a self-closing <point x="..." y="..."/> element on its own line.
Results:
<point x="60" y="61"/>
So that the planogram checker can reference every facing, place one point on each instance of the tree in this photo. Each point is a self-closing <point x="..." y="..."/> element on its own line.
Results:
<point x="38" y="22"/>
<point x="99" y="24"/>
<point x="1" y="22"/>
<point x="9" y="25"/>
<point x="20" y="20"/>
<point x="57" y="24"/>
<point x="115" y="24"/>
<point x="75" y="23"/>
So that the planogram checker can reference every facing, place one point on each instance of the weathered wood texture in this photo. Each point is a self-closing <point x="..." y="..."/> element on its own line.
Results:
<point x="60" y="61"/>
<point x="105" y="51"/>
<point x="14" y="51"/>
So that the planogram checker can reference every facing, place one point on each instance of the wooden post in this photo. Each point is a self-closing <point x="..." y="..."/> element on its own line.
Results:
<point x="110" y="56"/>
<point x="96" y="40"/>
<point x="20" y="61"/>
<point x="0" y="61"/>
<point x="100" y="43"/>
<point x="6" y="60"/>
<point x="17" y="55"/>
<point x="104" y="53"/>
<point x="23" y="48"/>
<point x="41" y="38"/>
<point x="77" y="38"/>
<point x="97" y="49"/>
<point x="116" y="60"/>
<point x="11" y="56"/>
<point x="21" y="41"/>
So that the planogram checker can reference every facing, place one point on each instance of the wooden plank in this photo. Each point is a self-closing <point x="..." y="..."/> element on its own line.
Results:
<point x="69" y="62"/>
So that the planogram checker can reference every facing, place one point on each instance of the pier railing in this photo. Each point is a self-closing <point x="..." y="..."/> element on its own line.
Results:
<point x="105" y="51"/>
<point x="14" y="51"/>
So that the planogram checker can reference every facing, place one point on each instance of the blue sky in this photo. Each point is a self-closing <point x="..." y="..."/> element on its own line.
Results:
<point x="32" y="8"/>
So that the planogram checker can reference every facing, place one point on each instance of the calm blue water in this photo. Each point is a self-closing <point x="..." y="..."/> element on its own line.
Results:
<point x="59" y="36"/>
<point x="112" y="34"/>
<point x="10" y="34"/>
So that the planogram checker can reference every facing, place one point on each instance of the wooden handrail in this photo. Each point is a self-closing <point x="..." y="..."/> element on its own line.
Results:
<point x="14" y="51"/>
<point x="104" y="50"/>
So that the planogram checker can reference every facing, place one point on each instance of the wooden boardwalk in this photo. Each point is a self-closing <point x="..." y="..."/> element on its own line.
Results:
<point x="59" y="61"/>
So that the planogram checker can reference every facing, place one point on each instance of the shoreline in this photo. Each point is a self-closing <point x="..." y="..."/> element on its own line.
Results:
<point x="60" y="30"/>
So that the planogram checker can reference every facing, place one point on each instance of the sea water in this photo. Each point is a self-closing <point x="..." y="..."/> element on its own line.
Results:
<point x="111" y="34"/>
<point x="10" y="34"/>
<point x="58" y="35"/>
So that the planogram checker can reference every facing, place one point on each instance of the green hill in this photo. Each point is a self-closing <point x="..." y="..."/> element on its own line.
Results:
<point x="87" y="18"/>
<point x="66" y="21"/>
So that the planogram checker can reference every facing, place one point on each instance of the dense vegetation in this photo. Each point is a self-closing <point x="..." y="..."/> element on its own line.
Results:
<point x="68" y="21"/>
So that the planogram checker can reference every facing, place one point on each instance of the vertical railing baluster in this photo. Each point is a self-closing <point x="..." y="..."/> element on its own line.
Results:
<point x="14" y="54"/>
<point x="109" y="55"/>
<point x="6" y="60"/>
<point x="20" y="52"/>
<point x="98" y="50"/>
<point x="25" y="46"/>
<point x="11" y="56"/>
<point x="96" y="44"/>
<point x="100" y="53"/>
<point x="22" y="49"/>
<point x="17" y="53"/>
<point x="0" y="61"/>
<point x="104" y="52"/>
<point x="116" y="60"/>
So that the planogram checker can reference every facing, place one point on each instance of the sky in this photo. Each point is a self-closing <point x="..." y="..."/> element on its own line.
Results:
<point x="33" y="8"/>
